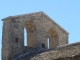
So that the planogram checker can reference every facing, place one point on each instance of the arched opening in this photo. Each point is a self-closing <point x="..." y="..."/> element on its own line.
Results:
<point x="48" y="43"/>
<point x="25" y="37"/>
<point x="30" y="34"/>
<point x="54" y="39"/>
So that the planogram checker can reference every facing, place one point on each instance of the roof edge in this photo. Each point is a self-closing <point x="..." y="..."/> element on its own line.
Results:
<point x="41" y="12"/>
<point x="55" y="23"/>
<point x="20" y="15"/>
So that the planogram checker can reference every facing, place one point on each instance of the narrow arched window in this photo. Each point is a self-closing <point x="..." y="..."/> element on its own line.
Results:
<point x="48" y="41"/>
<point x="25" y="37"/>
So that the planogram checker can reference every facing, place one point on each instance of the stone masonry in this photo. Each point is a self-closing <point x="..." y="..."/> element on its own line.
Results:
<point x="62" y="52"/>
<point x="39" y="29"/>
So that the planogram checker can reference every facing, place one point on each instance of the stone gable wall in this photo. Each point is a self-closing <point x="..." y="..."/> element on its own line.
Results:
<point x="39" y="28"/>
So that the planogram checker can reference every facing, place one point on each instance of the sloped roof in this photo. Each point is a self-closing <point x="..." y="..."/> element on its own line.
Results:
<point x="35" y="13"/>
<point x="58" y="53"/>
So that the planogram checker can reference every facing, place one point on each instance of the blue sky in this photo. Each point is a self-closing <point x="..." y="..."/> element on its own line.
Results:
<point x="64" y="12"/>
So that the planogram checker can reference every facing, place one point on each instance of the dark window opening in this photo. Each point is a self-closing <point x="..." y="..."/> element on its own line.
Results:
<point x="16" y="39"/>
<point x="43" y="45"/>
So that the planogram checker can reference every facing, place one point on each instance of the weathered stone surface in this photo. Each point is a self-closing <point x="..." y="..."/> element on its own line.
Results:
<point x="64" y="52"/>
<point x="39" y="29"/>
